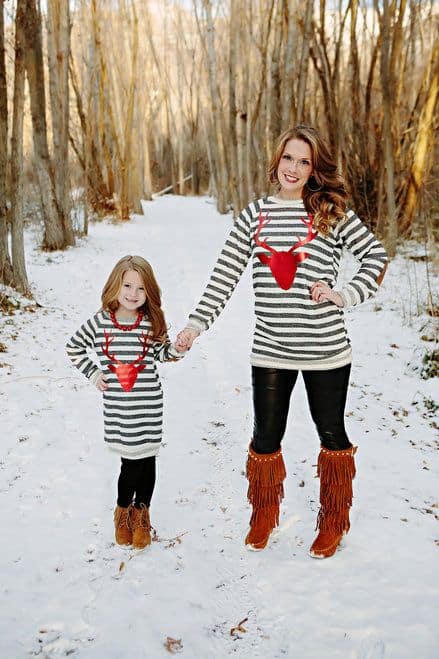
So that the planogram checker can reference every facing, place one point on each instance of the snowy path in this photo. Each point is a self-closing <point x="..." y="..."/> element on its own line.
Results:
<point x="67" y="589"/>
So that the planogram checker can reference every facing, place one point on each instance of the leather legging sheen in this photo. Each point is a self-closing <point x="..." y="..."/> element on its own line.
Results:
<point x="326" y="392"/>
<point x="136" y="480"/>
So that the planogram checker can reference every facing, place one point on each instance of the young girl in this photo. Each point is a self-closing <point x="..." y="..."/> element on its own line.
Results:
<point x="295" y="239"/>
<point x="129" y="335"/>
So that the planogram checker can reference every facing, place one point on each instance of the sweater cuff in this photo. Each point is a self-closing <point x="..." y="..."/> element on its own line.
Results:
<point x="344" y="299"/>
<point x="195" y="325"/>
<point x="174" y="353"/>
<point x="95" y="376"/>
<point x="348" y="296"/>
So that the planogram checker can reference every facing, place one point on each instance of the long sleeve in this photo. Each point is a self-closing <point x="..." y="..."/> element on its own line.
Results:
<point x="83" y="339"/>
<point x="165" y="352"/>
<point x="226" y="273"/>
<point x="357" y="238"/>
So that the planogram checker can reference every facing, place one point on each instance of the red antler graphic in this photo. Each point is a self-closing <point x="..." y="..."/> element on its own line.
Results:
<point x="126" y="373"/>
<point x="283" y="265"/>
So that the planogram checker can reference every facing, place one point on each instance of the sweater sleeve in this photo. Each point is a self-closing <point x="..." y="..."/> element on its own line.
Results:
<point x="226" y="273"/>
<point x="357" y="238"/>
<point x="81" y="341"/>
<point x="165" y="351"/>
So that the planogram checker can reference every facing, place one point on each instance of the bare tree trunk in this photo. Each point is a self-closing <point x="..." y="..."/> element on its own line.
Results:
<point x="58" y="47"/>
<point x="274" y="97"/>
<point x="102" y="105"/>
<point x="5" y="261"/>
<point x="397" y="65"/>
<point x="387" y="89"/>
<point x="422" y="152"/>
<point x="258" y="139"/>
<point x="180" y="116"/>
<point x="97" y="193"/>
<point x="128" y="127"/>
<point x="329" y="73"/>
<point x="243" y="45"/>
<point x="233" y="111"/>
<point x="18" y="257"/>
<point x="58" y="232"/>
<point x="218" y="145"/>
<point x="289" y="110"/>
<point x="304" y="59"/>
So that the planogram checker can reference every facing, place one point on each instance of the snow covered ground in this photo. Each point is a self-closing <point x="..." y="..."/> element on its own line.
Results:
<point x="66" y="589"/>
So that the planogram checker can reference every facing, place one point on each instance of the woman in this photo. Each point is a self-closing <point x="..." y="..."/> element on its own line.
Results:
<point x="295" y="241"/>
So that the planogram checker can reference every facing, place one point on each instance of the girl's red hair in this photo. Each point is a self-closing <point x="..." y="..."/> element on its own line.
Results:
<point x="152" y="307"/>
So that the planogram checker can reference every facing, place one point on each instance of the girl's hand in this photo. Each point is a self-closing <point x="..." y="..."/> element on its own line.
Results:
<point x="101" y="383"/>
<point x="321" y="292"/>
<point x="185" y="339"/>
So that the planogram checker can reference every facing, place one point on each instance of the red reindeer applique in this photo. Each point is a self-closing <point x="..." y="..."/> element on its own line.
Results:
<point x="283" y="265"/>
<point x="126" y="373"/>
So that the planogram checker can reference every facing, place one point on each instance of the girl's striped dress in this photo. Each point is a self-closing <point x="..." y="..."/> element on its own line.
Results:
<point x="291" y="330"/>
<point x="132" y="419"/>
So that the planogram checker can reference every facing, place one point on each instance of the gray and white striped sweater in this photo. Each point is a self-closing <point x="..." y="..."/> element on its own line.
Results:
<point x="292" y="331"/>
<point x="132" y="419"/>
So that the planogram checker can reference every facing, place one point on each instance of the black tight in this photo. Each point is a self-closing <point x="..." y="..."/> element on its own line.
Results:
<point x="137" y="477"/>
<point x="326" y="392"/>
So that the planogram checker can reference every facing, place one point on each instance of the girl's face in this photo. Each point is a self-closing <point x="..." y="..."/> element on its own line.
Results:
<point x="131" y="294"/>
<point x="295" y="168"/>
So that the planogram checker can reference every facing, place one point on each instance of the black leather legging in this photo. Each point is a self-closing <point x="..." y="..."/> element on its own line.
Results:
<point x="326" y="392"/>
<point x="136" y="480"/>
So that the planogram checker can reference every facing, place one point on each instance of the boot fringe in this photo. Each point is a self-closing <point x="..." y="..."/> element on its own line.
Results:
<point x="265" y="474"/>
<point x="337" y="523"/>
<point x="269" y="514"/>
<point x="336" y="469"/>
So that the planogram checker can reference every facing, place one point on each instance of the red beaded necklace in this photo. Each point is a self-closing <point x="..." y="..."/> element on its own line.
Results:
<point x="126" y="328"/>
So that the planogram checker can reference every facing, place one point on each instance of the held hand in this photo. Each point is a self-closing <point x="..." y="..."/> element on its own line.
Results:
<point x="101" y="383"/>
<point x="185" y="339"/>
<point x="321" y="292"/>
<point x="179" y="347"/>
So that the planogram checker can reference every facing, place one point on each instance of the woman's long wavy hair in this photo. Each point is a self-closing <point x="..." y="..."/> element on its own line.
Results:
<point x="152" y="307"/>
<point x="326" y="197"/>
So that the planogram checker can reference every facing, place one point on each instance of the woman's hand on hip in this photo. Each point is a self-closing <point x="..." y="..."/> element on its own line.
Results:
<point x="321" y="292"/>
<point x="185" y="338"/>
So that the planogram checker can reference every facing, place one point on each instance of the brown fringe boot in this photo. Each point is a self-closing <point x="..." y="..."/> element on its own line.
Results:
<point x="122" y="525"/>
<point x="141" y="526"/>
<point x="265" y="473"/>
<point x="336" y="469"/>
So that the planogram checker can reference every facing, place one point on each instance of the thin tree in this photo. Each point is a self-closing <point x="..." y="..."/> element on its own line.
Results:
<point x="422" y="156"/>
<point x="387" y="92"/>
<point x="58" y="47"/>
<point x="58" y="232"/>
<point x="6" y="275"/>
<point x="16" y="184"/>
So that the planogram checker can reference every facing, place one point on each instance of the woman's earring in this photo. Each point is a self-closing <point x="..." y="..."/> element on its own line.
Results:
<point x="319" y="187"/>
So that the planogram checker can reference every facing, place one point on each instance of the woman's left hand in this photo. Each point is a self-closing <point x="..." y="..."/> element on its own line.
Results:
<point x="321" y="292"/>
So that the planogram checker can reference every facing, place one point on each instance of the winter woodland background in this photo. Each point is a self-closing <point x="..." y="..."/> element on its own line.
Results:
<point x="138" y="126"/>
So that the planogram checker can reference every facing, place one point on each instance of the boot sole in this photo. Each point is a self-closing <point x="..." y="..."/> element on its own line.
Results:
<point x="328" y="549"/>
<point x="253" y="548"/>
<point x="272" y="535"/>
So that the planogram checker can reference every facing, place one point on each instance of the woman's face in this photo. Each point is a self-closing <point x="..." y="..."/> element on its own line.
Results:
<point x="295" y="168"/>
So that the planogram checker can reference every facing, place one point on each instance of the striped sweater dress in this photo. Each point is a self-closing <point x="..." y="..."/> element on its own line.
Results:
<point x="132" y="419"/>
<point x="291" y="330"/>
